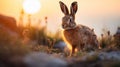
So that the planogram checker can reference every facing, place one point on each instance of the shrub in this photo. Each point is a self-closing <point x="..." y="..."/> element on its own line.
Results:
<point x="11" y="47"/>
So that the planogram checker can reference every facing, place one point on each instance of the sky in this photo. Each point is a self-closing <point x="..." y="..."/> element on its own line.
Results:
<point x="97" y="14"/>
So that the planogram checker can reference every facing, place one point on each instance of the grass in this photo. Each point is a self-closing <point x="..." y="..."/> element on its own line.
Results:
<point x="11" y="50"/>
<point x="109" y="63"/>
<point x="108" y="41"/>
<point x="12" y="47"/>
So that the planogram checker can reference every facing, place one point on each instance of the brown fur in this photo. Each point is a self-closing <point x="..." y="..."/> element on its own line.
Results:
<point x="78" y="36"/>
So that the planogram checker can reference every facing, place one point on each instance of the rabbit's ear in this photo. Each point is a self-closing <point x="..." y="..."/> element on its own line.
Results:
<point x="73" y="8"/>
<point x="64" y="8"/>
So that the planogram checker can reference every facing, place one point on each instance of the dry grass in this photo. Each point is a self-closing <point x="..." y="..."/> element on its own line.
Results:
<point x="12" y="49"/>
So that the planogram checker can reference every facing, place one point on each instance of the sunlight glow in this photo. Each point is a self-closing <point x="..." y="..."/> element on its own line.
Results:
<point x="31" y="6"/>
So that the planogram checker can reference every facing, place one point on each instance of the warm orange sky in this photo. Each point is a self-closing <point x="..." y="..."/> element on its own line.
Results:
<point x="96" y="14"/>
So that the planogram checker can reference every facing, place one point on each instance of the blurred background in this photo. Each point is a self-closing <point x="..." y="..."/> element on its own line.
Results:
<point x="95" y="14"/>
<point x="30" y="33"/>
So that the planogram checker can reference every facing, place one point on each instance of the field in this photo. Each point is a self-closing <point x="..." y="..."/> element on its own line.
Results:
<point x="34" y="48"/>
<point x="38" y="33"/>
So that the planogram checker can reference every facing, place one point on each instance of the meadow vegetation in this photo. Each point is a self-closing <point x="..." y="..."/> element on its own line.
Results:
<point x="32" y="39"/>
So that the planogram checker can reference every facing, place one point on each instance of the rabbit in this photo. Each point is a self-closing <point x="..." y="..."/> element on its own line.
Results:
<point x="76" y="35"/>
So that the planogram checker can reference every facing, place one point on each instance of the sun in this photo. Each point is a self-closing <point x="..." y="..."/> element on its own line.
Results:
<point x="31" y="6"/>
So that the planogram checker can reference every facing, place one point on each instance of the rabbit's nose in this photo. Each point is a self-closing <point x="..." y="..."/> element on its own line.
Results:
<point x="63" y="26"/>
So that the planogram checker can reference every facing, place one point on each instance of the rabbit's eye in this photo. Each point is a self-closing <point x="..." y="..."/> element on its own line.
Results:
<point x="70" y="20"/>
